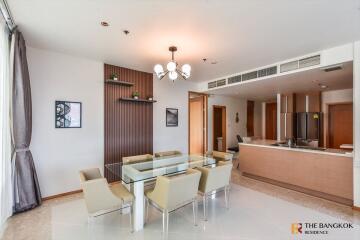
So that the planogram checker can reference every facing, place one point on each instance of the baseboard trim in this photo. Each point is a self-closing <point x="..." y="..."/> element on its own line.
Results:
<point x="356" y="208"/>
<point x="69" y="193"/>
<point x="61" y="195"/>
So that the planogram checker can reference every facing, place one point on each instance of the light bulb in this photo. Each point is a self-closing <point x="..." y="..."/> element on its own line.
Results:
<point x="171" y="66"/>
<point x="186" y="68"/>
<point x="173" y="75"/>
<point x="158" y="69"/>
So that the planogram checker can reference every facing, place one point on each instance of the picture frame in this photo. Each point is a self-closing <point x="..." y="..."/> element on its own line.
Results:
<point x="68" y="114"/>
<point x="172" y="117"/>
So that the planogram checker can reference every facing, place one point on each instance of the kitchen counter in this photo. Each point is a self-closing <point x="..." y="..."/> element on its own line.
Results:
<point x="327" y="174"/>
<point x="268" y="143"/>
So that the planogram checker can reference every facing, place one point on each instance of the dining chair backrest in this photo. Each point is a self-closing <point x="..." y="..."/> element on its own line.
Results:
<point x="215" y="177"/>
<point x="171" y="192"/>
<point x="167" y="153"/>
<point x="222" y="155"/>
<point x="137" y="158"/>
<point x="89" y="174"/>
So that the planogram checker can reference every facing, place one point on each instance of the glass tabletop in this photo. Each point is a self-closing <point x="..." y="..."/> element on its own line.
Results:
<point x="157" y="166"/>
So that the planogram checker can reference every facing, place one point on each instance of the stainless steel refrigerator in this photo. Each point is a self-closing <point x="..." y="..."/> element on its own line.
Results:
<point x="308" y="128"/>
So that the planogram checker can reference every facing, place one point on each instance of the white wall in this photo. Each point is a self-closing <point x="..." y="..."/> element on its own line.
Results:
<point x="171" y="95"/>
<point x="60" y="153"/>
<point x="233" y="105"/>
<point x="333" y="97"/>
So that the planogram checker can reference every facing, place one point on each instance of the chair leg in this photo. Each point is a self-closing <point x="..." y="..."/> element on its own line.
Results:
<point x="146" y="203"/>
<point x="195" y="210"/>
<point x="165" y="222"/>
<point x="204" y="206"/>
<point x="131" y="220"/>
<point x="227" y="197"/>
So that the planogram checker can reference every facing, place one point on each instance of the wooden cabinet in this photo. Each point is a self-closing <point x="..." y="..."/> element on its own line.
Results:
<point x="312" y="99"/>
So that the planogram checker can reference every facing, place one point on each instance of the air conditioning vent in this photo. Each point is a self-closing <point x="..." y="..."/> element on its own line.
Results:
<point x="234" y="79"/>
<point x="289" y="66"/>
<point x="212" y="84"/>
<point x="221" y="82"/>
<point x="249" y="76"/>
<point x="267" y="71"/>
<point x="310" y="61"/>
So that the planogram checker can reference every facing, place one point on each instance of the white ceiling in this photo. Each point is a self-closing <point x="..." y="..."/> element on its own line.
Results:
<point x="305" y="81"/>
<point x="239" y="34"/>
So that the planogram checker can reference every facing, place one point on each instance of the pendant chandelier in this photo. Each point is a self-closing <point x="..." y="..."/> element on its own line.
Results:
<point x="171" y="68"/>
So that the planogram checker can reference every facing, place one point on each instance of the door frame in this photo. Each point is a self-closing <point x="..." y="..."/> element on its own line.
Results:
<point x="205" y="119"/>
<point x="223" y="127"/>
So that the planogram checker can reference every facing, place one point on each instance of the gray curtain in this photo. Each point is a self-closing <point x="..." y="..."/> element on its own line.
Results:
<point x="26" y="186"/>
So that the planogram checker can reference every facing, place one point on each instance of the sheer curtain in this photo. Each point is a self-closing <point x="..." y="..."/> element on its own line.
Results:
<point x="6" y="193"/>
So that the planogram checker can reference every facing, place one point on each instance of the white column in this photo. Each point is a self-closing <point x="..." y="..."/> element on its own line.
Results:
<point x="278" y="117"/>
<point x="137" y="189"/>
<point x="356" y="123"/>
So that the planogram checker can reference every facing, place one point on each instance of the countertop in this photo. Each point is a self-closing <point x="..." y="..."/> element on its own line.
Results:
<point x="267" y="143"/>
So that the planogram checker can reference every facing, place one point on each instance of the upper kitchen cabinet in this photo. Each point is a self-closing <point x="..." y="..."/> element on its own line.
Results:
<point x="288" y="103"/>
<point x="308" y="102"/>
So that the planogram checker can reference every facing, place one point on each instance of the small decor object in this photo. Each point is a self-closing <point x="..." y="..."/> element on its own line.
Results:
<point x="114" y="76"/>
<point x="237" y="117"/>
<point x="172" y="68"/>
<point x="171" y="117"/>
<point x="135" y="95"/>
<point x="150" y="98"/>
<point x="67" y="114"/>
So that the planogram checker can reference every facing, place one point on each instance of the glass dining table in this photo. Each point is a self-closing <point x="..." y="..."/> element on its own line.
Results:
<point x="134" y="175"/>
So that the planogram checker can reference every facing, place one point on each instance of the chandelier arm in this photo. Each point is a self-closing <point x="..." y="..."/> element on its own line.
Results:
<point x="180" y="73"/>
<point x="166" y="73"/>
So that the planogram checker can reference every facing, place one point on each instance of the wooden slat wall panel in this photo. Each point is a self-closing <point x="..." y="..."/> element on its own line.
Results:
<point x="128" y="125"/>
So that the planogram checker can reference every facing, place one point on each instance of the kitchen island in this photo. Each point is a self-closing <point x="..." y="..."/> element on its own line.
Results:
<point x="323" y="173"/>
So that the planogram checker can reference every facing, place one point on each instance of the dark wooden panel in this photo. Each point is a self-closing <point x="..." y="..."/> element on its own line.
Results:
<point x="128" y="125"/>
<point x="271" y="120"/>
<point x="250" y="118"/>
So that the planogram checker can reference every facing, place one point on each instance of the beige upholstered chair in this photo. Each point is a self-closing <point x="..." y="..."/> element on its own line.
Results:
<point x="222" y="155"/>
<point x="136" y="159"/>
<point x="167" y="153"/>
<point x="171" y="193"/>
<point x="214" y="178"/>
<point x="100" y="198"/>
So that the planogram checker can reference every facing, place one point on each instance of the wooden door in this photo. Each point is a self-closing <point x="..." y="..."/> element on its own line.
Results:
<point x="271" y="121"/>
<point x="340" y="125"/>
<point x="196" y="122"/>
<point x="250" y="118"/>
<point x="219" y="127"/>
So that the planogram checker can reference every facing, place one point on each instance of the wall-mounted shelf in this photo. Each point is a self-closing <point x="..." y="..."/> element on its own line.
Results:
<point x="136" y="100"/>
<point x="118" y="82"/>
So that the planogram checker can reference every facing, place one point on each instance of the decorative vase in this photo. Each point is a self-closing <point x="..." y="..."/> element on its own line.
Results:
<point x="136" y="97"/>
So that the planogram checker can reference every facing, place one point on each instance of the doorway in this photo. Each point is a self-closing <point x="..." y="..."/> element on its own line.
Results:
<point x="340" y="125"/>
<point x="271" y="121"/>
<point x="219" y="128"/>
<point x="197" y="123"/>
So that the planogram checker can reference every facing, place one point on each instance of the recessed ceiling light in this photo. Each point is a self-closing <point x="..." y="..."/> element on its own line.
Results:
<point x="204" y="59"/>
<point x="323" y="86"/>
<point x="104" y="24"/>
<point x="126" y="32"/>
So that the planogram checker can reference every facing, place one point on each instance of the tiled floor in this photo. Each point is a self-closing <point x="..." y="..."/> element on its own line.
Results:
<point x="257" y="211"/>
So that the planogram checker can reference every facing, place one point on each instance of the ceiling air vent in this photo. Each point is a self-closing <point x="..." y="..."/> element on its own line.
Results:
<point x="212" y="84"/>
<point x="267" y="71"/>
<point x="234" y="79"/>
<point x="289" y="66"/>
<point x="221" y="82"/>
<point x="310" y="61"/>
<point x="249" y="76"/>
